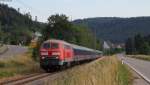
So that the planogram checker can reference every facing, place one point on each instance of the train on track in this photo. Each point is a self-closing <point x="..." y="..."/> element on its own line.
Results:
<point x="58" y="53"/>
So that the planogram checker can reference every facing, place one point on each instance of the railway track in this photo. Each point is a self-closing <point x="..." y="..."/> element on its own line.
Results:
<point x="26" y="79"/>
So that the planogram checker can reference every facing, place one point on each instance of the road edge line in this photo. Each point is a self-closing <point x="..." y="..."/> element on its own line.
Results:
<point x="144" y="77"/>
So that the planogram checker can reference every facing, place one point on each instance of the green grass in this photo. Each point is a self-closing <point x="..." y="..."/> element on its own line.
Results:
<point x="18" y="65"/>
<point x="106" y="72"/>
<point x="142" y="57"/>
<point x="124" y="75"/>
<point x="6" y="74"/>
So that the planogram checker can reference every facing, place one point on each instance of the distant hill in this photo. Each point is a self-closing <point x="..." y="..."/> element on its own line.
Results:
<point x="117" y="29"/>
<point x="15" y="27"/>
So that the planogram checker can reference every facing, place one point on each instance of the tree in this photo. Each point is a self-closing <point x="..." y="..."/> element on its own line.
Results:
<point x="129" y="46"/>
<point x="139" y="40"/>
<point x="145" y="48"/>
<point x="138" y="45"/>
<point x="58" y="27"/>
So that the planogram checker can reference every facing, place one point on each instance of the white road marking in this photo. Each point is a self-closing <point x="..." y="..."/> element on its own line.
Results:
<point x="144" y="77"/>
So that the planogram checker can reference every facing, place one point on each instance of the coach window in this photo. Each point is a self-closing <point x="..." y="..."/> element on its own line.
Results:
<point x="54" y="45"/>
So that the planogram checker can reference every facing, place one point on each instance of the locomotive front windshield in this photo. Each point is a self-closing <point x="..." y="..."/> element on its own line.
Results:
<point x="52" y="45"/>
<point x="46" y="45"/>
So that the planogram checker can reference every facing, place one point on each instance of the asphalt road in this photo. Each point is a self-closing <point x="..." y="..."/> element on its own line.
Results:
<point x="13" y="50"/>
<point x="141" y="66"/>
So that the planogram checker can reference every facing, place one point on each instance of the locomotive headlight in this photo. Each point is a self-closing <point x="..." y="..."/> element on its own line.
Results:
<point x="55" y="53"/>
<point x="42" y="57"/>
<point x="57" y="57"/>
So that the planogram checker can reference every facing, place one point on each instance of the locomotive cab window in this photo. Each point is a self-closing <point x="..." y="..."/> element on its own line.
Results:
<point x="54" y="45"/>
<point x="46" y="45"/>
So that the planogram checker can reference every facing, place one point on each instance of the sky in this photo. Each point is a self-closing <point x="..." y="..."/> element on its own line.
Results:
<point x="79" y="9"/>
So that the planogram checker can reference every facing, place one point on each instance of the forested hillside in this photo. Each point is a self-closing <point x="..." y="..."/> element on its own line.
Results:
<point x="117" y="29"/>
<point x="15" y="27"/>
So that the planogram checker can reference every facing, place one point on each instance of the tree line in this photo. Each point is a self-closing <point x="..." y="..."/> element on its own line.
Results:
<point x="138" y="45"/>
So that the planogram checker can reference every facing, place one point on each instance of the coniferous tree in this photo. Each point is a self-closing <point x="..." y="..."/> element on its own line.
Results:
<point x="129" y="46"/>
<point x="138" y="45"/>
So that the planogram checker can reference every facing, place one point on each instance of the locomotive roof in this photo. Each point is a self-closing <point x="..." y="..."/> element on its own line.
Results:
<point x="73" y="45"/>
<point x="81" y="47"/>
<point x="85" y="48"/>
<point x="53" y="40"/>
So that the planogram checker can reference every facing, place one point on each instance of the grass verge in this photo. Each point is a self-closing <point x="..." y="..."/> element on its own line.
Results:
<point x="142" y="57"/>
<point x="108" y="71"/>
<point x="18" y="66"/>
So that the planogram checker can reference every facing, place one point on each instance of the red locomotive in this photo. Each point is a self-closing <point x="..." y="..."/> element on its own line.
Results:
<point x="58" y="53"/>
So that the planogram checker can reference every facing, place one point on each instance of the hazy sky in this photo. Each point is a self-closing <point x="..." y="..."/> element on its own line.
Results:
<point x="83" y="8"/>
